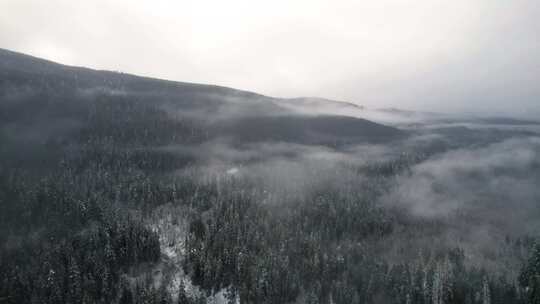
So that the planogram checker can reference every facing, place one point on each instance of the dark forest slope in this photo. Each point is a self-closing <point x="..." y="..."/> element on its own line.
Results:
<point x="40" y="100"/>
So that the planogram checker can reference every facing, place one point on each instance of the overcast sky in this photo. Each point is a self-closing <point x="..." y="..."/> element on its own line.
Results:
<point x="451" y="55"/>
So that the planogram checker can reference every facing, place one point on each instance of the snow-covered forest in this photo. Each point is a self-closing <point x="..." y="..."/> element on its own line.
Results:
<point x="121" y="189"/>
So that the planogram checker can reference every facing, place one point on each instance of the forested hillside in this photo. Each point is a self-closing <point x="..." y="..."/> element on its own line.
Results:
<point x="121" y="189"/>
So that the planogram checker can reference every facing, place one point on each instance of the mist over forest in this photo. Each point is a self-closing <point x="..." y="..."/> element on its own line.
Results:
<point x="116" y="188"/>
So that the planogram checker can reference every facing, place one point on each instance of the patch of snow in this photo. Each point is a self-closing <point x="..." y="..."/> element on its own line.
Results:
<point x="233" y="171"/>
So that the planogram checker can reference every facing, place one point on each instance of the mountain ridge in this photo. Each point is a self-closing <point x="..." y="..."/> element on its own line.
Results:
<point x="44" y="93"/>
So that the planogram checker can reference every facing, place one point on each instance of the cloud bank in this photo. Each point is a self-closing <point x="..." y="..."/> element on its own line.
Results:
<point x="427" y="55"/>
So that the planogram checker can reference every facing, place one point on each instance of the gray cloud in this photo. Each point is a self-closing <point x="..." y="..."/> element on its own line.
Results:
<point x="476" y="182"/>
<point x="427" y="55"/>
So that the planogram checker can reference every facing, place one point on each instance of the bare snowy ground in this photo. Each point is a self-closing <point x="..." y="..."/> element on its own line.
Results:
<point x="171" y="225"/>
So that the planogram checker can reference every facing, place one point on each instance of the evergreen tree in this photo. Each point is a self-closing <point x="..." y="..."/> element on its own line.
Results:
<point x="530" y="276"/>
